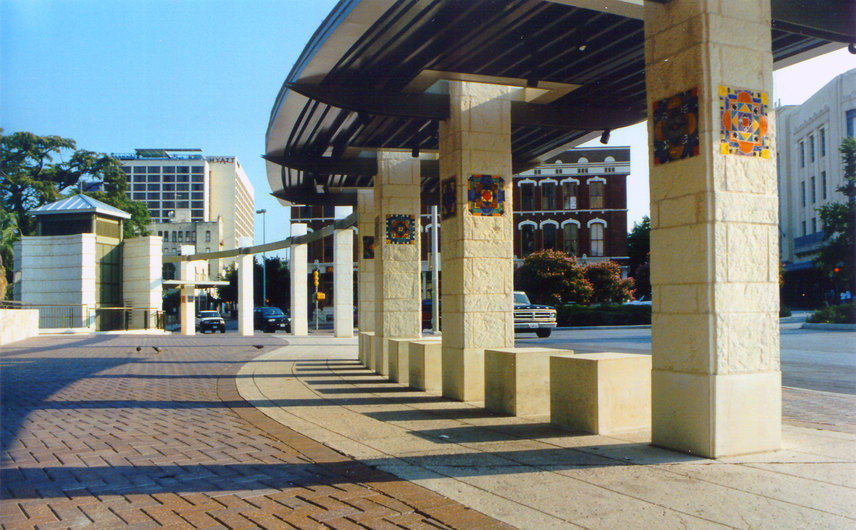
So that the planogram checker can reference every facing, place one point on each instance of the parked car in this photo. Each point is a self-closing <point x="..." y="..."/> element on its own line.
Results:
<point x="271" y="320"/>
<point x="210" y="321"/>
<point x="532" y="318"/>
<point x="427" y="314"/>
<point x="645" y="300"/>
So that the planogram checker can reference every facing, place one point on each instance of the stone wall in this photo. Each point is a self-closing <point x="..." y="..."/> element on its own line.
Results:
<point x="18" y="324"/>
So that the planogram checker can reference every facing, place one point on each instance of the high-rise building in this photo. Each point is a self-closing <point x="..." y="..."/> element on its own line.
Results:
<point x="810" y="171"/>
<point x="209" y="199"/>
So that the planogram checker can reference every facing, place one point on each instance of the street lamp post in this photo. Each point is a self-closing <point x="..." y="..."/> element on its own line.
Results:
<point x="264" y="261"/>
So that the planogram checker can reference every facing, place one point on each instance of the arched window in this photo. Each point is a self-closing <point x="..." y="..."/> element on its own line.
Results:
<point x="570" y="239"/>
<point x="597" y="243"/>
<point x="207" y="236"/>
<point x="548" y="232"/>
<point x="548" y="196"/>
<point x="527" y="239"/>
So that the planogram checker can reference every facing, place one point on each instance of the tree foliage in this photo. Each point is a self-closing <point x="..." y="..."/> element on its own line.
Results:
<point x="837" y="258"/>
<point x="9" y="233"/>
<point x="639" y="244"/>
<point x="552" y="277"/>
<point x="37" y="170"/>
<point x="278" y="283"/>
<point x="607" y="285"/>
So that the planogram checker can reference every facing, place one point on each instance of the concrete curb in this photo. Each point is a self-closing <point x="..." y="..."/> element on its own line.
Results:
<point x="830" y="327"/>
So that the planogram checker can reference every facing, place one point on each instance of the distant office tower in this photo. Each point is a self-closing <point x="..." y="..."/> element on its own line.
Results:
<point x="810" y="171"/>
<point x="192" y="199"/>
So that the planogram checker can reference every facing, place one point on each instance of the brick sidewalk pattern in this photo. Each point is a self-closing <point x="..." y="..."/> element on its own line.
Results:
<point x="96" y="434"/>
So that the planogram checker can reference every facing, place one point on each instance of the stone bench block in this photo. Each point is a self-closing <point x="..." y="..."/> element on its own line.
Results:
<point x="365" y="346"/>
<point x="517" y="380"/>
<point x="399" y="359"/>
<point x="425" y="364"/>
<point x="601" y="393"/>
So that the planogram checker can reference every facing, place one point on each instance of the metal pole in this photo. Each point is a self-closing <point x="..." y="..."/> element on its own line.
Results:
<point x="264" y="260"/>
<point x="435" y="273"/>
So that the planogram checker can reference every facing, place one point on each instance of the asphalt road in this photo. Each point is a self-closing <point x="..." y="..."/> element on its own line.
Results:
<point x="811" y="359"/>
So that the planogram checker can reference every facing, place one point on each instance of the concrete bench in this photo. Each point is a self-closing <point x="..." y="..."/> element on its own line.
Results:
<point x="601" y="393"/>
<point x="398" y="351"/>
<point x="365" y="346"/>
<point x="517" y="380"/>
<point x="425" y="364"/>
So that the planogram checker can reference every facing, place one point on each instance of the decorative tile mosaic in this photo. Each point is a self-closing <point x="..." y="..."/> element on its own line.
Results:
<point x="400" y="229"/>
<point x="744" y="122"/>
<point x="486" y="195"/>
<point x="676" y="127"/>
<point x="448" y="198"/>
<point x="368" y="247"/>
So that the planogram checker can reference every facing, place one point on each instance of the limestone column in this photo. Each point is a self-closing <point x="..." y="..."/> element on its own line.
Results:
<point x="478" y="284"/>
<point x="297" y="264"/>
<point x="343" y="283"/>
<point x="245" y="294"/>
<point x="187" y="309"/>
<point x="397" y="243"/>
<point x="366" y="271"/>
<point x="716" y="380"/>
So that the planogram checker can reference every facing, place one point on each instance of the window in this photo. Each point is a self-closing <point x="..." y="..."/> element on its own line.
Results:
<point x="811" y="147"/>
<point x="609" y="170"/>
<point x="139" y="196"/>
<point x="527" y="194"/>
<point x="196" y="187"/>
<point x="184" y="205"/>
<point x="197" y="204"/>
<point x="197" y="196"/>
<point x="152" y="205"/>
<point x="823" y="185"/>
<point x="813" y="192"/>
<point x="153" y="169"/>
<point x="207" y="249"/>
<point x="180" y="236"/>
<point x="583" y="170"/>
<point x="168" y="169"/>
<point x="528" y="239"/>
<point x="139" y="187"/>
<point x="184" y="178"/>
<point x="329" y="211"/>
<point x="139" y="169"/>
<point x="153" y="196"/>
<point x="802" y="154"/>
<point x="569" y="195"/>
<point x="802" y="193"/>
<point x="207" y="236"/>
<point x="813" y="225"/>
<point x="569" y="236"/>
<point x="198" y="169"/>
<point x="173" y="236"/>
<point x="169" y="187"/>
<point x="548" y="197"/>
<point x="169" y="178"/>
<point x="803" y="228"/>
<point x="168" y="204"/>
<point x="823" y="142"/>
<point x="193" y="237"/>
<point x="537" y="171"/>
<point x="153" y="187"/>
<point x="196" y="178"/>
<point x="596" y="240"/>
<point x="595" y="194"/>
<point x="160" y="233"/>
<point x="548" y="232"/>
<point x="153" y="178"/>
<point x="183" y="169"/>
<point x="558" y="171"/>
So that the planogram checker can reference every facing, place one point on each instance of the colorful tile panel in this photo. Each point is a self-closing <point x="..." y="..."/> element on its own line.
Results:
<point x="744" y="122"/>
<point x="486" y="195"/>
<point x="448" y="198"/>
<point x="676" y="127"/>
<point x="400" y="229"/>
<point x="368" y="247"/>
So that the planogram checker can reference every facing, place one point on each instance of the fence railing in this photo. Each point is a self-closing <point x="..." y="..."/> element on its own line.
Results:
<point x="99" y="318"/>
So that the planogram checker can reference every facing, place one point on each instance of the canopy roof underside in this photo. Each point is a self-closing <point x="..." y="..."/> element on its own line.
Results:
<point x="374" y="76"/>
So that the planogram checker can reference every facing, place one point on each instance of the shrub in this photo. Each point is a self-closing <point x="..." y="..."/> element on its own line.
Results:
<point x="604" y="315"/>
<point x="835" y="314"/>
<point x="609" y="288"/>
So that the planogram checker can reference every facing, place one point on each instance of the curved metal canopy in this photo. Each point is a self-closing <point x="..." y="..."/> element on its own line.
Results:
<point x="374" y="76"/>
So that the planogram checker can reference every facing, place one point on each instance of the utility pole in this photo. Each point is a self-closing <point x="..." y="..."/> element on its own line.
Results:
<point x="264" y="261"/>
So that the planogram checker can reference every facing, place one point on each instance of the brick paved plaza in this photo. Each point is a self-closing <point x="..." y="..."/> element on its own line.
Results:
<point x="98" y="435"/>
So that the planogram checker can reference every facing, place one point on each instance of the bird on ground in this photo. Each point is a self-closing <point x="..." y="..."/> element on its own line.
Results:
<point x="157" y="349"/>
<point x="258" y="346"/>
<point x="139" y="349"/>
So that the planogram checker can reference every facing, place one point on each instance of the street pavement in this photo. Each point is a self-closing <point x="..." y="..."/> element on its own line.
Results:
<point x="213" y="432"/>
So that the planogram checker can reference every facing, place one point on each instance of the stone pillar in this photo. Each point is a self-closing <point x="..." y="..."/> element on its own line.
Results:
<point x="476" y="240"/>
<point x="245" y="294"/>
<point x="187" y="309"/>
<point x="366" y="272"/>
<point x="343" y="283"/>
<point x="716" y="380"/>
<point x="397" y="243"/>
<point x="299" y="308"/>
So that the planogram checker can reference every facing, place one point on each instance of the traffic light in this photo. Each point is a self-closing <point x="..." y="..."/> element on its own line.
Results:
<point x="315" y="276"/>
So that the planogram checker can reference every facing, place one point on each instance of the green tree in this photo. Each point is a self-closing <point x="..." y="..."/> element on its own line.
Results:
<point x="32" y="178"/>
<point x="9" y="233"/>
<point x="552" y="277"/>
<point x="638" y="245"/>
<point x="837" y="258"/>
<point x="278" y="283"/>
<point x="608" y="286"/>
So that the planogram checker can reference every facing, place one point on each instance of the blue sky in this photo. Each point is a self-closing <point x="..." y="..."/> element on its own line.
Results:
<point x="120" y="75"/>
